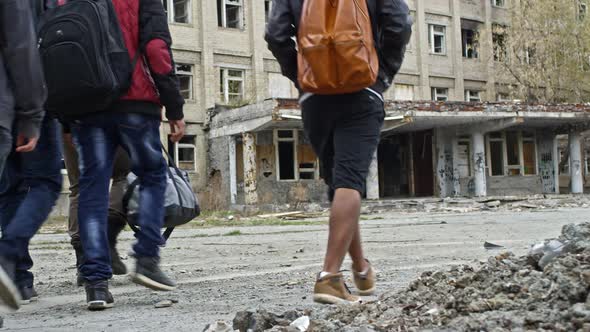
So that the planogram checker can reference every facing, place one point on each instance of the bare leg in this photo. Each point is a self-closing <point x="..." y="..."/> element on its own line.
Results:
<point x="359" y="263"/>
<point x="344" y="218"/>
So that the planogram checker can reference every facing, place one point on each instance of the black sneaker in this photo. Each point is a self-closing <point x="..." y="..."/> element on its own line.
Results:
<point x="80" y="280"/>
<point x="117" y="264"/>
<point x="148" y="274"/>
<point x="28" y="295"/>
<point x="8" y="291"/>
<point x="79" y="258"/>
<point x="116" y="224"/>
<point x="98" y="296"/>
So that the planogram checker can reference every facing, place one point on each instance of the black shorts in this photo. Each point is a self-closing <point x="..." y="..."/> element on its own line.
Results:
<point x="344" y="131"/>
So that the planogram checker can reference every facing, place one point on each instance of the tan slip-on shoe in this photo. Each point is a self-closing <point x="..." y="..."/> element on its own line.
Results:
<point x="365" y="282"/>
<point x="331" y="289"/>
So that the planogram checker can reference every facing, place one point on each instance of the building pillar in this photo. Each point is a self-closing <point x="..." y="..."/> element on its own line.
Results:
<point x="576" y="174"/>
<point x="479" y="164"/>
<point x="411" y="180"/>
<point x="373" y="179"/>
<point x="556" y="160"/>
<point x="547" y="157"/>
<point x="444" y="166"/>
<point x="250" y="174"/>
<point x="233" y="170"/>
<point x="455" y="164"/>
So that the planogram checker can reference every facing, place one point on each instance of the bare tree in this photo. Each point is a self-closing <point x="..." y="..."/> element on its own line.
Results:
<point x="543" y="53"/>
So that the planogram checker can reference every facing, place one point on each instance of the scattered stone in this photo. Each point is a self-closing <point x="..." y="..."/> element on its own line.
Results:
<point x="219" y="326"/>
<point x="493" y="204"/>
<point x="504" y="293"/>
<point x="300" y="250"/>
<point x="490" y="246"/>
<point x="163" y="304"/>
<point x="301" y="323"/>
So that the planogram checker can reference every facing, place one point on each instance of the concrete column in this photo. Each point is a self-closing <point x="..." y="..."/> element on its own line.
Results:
<point x="233" y="170"/>
<point x="444" y="166"/>
<point x="455" y="154"/>
<point x="373" y="179"/>
<point x="455" y="41"/>
<point x="486" y="54"/>
<point x="250" y="174"/>
<point x="258" y="47"/>
<point x="479" y="164"/>
<point x="411" y="181"/>
<point x="576" y="174"/>
<point x="548" y="161"/>
<point x="556" y="162"/>
<point x="422" y="50"/>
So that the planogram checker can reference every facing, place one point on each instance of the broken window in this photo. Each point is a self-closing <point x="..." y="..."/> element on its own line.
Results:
<point x="404" y="92"/>
<point x="184" y="153"/>
<point x="564" y="161"/>
<point x="470" y="38"/>
<point x="499" y="3"/>
<point x="185" y="80"/>
<point x="529" y="153"/>
<point x="230" y="14"/>
<point x="496" y="154"/>
<point x="502" y="97"/>
<point x="440" y="94"/>
<point x="267" y="9"/>
<point x="178" y="11"/>
<point x="582" y="10"/>
<point x="472" y="95"/>
<point x="437" y="39"/>
<point x="464" y="153"/>
<point x="499" y="42"/>
<point x="512" y="153"/>
<point x="285" y="150"/>
<point x="231" y="85"/>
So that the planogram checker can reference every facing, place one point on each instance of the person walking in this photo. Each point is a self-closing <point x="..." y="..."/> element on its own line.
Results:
<point x="132" y="122"/>
<point x="30" y="158"/>
<point x="341" y="66"/>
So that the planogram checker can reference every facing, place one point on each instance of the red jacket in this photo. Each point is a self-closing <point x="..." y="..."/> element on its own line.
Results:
<point x="145" y="29"/>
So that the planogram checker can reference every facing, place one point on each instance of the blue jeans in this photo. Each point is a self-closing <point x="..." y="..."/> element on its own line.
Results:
<point x="97" y="138"/>
<point x="29" y="187"/>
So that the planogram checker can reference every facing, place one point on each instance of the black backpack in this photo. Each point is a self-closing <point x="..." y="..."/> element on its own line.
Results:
<point x="87" y="66"/>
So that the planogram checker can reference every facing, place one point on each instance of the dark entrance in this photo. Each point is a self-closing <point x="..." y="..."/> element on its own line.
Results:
<point x="423" y="169"/>
<point x="394" y="166"/>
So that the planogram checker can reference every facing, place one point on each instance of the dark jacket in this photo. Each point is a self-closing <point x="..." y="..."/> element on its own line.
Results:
<point x="22" y="85"/>
<point x="392" y="28"/>
<point x="154" y="84"/>
<point x="145" y="29"/>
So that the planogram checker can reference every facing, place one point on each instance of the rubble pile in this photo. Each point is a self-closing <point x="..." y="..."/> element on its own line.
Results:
<point x="463" y="205"/>
<point x="504" y="293"/>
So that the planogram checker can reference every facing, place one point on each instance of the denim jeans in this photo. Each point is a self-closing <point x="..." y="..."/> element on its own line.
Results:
<point x="97" y="138"/>
<point x="5" y="147"/>
<point x="29" y="186"/>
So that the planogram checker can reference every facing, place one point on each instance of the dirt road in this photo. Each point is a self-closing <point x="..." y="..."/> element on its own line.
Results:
<point x="223" y="270"/>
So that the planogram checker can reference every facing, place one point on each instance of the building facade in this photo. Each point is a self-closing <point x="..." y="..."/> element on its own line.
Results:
<point x="232" y="83"/>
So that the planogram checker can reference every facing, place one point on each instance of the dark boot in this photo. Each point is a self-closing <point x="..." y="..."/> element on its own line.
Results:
<point x="115" y="226"/>
<point x="98" y="296"/>
<point x="149" y="274"/>
<point x="79" y="259"/>
<point x="9" y="293"/>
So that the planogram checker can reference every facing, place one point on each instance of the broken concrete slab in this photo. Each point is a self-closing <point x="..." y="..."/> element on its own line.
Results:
<point x="505" y="292"/>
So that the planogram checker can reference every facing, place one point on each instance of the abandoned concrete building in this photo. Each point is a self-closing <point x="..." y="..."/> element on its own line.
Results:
<point x="223" y="63"/>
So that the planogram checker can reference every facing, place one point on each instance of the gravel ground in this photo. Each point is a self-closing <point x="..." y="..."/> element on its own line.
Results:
<point x="224" y="270"/>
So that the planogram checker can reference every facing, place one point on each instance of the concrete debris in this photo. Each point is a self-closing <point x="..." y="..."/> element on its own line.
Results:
<point x="163" y="304"/>
<point x="465" y="205"/>
<point x="262" y="320"/>
<point x="491" y="246"/>
<point x="219" y="326"/>
<point x="503" y="293"/>
<point x="301" y="323"/>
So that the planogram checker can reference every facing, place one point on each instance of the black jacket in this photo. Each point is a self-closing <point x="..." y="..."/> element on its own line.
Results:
<point x="22" y="85"/>
<point x="392" y="27"/>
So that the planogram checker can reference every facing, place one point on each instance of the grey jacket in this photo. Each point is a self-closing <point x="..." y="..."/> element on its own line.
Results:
<point x="22" y="85"/>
